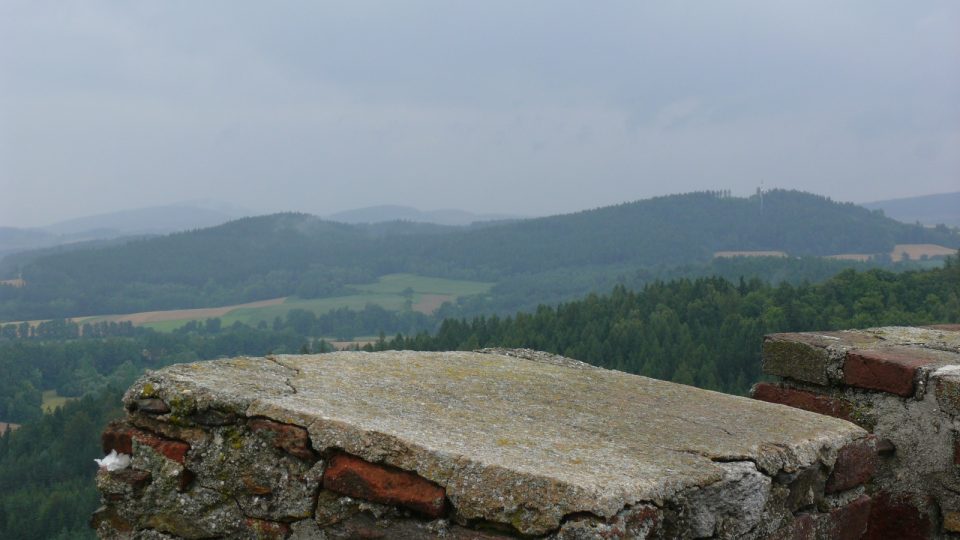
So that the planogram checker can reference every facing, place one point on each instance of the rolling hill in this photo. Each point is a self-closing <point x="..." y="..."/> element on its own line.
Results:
<point x="297" y="254"/>
<point x="384" y="213"/>
<point x="110" y="226"/>
<point x="928" y="209"/>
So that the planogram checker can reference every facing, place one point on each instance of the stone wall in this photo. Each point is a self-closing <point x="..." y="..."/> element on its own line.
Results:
<point x="458" y="445"/>
<point x="903" y="386"/>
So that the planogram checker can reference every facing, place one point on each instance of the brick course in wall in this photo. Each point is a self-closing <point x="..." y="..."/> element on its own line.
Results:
<point x="903" y="385"/>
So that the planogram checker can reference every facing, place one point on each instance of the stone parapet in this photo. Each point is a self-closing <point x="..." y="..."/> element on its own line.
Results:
<point x="470" y="445"/>
<point x="903" y="385"/>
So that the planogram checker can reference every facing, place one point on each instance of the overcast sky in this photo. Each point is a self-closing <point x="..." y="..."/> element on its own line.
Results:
<point x="514" y="107"/>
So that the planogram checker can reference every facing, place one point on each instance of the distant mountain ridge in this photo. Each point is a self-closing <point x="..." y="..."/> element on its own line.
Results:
<point x="387" y="212"/>
<point x="927" y="209"/>
<point x="151" y="220"/>
<point x="298" y="254"/>
<point x="154" y="220"/>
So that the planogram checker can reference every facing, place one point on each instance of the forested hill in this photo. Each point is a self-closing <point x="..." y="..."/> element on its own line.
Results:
<point x="284" y="254"/>
<point x="678" y="229"/>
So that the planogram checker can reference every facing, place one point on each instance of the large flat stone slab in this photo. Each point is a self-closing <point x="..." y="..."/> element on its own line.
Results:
<point x="517" y="438"/>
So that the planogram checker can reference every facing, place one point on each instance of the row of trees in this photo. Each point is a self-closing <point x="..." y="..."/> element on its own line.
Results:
<point x="66" y="329"/>
<point x="705" y="332"/>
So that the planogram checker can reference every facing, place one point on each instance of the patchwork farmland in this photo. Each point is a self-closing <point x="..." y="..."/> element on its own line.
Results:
<point x="393" y="292"/>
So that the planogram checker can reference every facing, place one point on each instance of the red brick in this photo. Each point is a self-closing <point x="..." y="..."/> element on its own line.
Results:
<point x="900" y="516"/>
<point x="292" y="439"/>
<point x="850" y="522"/>
<point x="169" y="448"/>
<point x="888" y="370"/>
<point x="119" y="436"/>
<point x="856" y="464"/>
<point x="356" y="477"/>
<point x="116" y="436"/>
<point x="267" y="530"/>
<point x="801" y="399"/>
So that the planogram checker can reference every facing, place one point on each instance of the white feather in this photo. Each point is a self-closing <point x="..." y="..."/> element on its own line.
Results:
<point x="114" y="461"/>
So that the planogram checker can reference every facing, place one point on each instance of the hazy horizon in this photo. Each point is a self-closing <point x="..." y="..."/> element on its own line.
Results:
<point x="528" y="109"/>
<point x="237" y="212"/>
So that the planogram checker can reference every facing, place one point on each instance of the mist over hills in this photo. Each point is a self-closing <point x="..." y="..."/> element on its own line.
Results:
<point x="299" y="254"/>
<point x="927" y="209"/>
<point x="154" y="220"/>
<point x="95" y="230"/>
<point x="383" y="213"/>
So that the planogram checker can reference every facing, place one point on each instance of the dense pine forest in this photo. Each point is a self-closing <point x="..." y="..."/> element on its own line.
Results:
<point x="704" y="331"/>
<point x="297" y="254"/>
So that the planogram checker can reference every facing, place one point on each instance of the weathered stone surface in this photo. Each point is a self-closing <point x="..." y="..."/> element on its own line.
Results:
<point x="805" y="488"/>
<point x="802" y="527"/>
<point x="927" y="338"/>
<point x="266" y="482"/>
<point x="160" y="506"/>
<point x="947" y="327"/>
<point x="797" y="356"/>
<point x="890" y="370"/>
<point x="291" y="439"/>
<point x="107" y="522"/>
<point x="638" y="522"/>
<point x="152" y="406"/>
<point x="511" y="441"/>
<point x="731" y="507"/>
<point x="123" y="484"/>
<point x="946" y="385"/>
<point x="190" y="434"/>
<point x="356" y="477"/>
<point x="856" y="464"/>
<point x="367" y="527"/>
<point x="846" y="522"/>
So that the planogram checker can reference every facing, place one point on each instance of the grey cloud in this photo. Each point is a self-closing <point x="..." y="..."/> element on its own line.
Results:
<point x="515" y="107"/>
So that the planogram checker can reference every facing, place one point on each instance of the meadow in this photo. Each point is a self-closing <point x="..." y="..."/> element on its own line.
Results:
<point x="395" y="292"/>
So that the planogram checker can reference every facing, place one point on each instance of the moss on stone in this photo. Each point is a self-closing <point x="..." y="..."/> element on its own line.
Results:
<point x="795" y="360"/>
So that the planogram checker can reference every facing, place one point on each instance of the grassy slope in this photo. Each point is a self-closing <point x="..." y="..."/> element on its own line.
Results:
<point x="387" y="292"/>
<point x="52" y="400"/>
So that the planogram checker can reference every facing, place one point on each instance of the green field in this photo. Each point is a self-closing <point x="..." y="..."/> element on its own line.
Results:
<point x="397" y="283"/>
<point x="387" y="292"/>
<point x="52" y="400"/>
